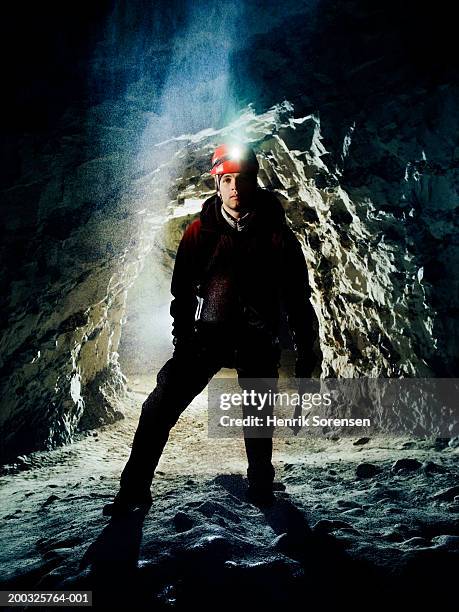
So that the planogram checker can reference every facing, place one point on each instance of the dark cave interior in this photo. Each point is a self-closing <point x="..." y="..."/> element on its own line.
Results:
<point x="112" y="112"/>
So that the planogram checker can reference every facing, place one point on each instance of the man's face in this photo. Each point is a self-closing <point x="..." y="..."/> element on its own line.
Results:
<point x="237" y="190"/>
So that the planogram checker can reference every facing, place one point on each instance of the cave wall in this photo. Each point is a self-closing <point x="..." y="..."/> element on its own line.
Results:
<point x="364" y="156"/>
<point x="382" y="77"/>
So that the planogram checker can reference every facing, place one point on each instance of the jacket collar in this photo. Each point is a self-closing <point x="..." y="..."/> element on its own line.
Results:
<point x="239" y="225"/>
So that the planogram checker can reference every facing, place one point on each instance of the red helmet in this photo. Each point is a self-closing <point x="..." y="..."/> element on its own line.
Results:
<point x="234" y="158"/>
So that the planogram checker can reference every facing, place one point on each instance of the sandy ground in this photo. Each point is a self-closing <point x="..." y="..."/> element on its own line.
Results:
<point x="341" y="529"/>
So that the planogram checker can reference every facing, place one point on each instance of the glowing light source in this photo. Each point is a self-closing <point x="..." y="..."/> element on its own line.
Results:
<point x="236" y="153"/>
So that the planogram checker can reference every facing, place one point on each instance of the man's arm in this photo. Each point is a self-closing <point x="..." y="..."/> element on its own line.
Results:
<point x="300" y="313"/>
<point x="183" y="287"/>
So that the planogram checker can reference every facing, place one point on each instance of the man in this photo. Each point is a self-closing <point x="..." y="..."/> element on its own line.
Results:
<point x="235" y="267"/>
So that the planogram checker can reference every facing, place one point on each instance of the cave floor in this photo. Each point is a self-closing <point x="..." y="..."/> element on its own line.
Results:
<point x="331" y="534"/>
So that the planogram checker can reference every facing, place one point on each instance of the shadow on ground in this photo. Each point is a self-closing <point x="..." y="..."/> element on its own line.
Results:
<point x="152" y="563"/>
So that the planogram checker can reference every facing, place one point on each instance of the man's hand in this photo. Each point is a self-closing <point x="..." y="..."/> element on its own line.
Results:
<point x="304" y="367"/>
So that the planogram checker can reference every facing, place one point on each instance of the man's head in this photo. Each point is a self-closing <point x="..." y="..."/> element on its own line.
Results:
<point x="235" y="170"/>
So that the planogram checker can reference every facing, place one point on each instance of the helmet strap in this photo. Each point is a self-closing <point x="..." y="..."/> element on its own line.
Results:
<point x="217" y="184"/>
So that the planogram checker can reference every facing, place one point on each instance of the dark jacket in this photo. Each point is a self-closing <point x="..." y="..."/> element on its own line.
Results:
<point x="243" y="275"/>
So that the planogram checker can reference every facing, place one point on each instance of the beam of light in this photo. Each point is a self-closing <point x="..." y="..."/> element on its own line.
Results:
<point x="196" y="93"/>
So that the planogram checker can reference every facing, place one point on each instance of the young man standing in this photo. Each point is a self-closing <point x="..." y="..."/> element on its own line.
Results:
<point x="236" y="267"/>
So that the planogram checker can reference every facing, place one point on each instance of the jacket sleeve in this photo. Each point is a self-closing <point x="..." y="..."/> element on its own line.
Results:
<point x="301" y="316"/>
<point x="183" y="286"/>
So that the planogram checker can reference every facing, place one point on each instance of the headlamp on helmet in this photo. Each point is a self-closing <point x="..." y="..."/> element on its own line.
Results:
<point x="235" y="158"/>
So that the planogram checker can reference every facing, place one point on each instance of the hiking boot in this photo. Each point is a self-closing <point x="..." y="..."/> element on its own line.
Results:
<point x="260" y="496"/>
<point x="125" y="505"/>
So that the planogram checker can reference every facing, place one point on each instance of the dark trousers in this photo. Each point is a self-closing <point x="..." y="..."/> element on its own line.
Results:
<point x="252" y="353"/>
